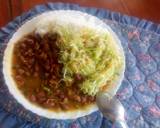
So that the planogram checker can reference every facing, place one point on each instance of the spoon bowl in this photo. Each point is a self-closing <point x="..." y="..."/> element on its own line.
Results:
<point x="111" y="108"/>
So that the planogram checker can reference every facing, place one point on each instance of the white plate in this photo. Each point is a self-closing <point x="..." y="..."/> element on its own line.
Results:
<point x="75" y="17"/>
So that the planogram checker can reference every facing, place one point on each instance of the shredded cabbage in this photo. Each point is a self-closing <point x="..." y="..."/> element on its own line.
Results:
<point x="88" y="53"/>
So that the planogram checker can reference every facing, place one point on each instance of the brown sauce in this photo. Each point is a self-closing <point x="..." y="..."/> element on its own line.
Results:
<point x="37" y="74"/>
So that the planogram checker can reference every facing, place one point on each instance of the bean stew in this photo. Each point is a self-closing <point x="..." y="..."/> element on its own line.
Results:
<point x="37" y="73"/>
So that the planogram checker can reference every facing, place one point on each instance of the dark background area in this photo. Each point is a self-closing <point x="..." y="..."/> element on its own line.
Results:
<point x="144" y="9"/>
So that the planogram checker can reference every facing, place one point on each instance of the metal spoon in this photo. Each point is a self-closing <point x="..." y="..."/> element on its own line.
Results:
<point x="111" y="108"/>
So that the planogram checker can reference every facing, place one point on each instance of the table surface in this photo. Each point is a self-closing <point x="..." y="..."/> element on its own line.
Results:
<point x="144" y="9"/>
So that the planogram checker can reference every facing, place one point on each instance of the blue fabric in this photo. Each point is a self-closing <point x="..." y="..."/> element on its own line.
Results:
<point x="140" y="89"/>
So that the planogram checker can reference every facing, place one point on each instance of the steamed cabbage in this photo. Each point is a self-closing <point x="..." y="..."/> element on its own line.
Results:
<point x="88" y="53"/>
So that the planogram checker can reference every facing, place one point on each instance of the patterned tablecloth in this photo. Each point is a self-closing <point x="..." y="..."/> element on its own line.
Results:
<point x="140" y="89"/>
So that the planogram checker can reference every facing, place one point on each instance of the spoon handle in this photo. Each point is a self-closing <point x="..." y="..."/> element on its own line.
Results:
<point x="121" y="124"/>
<point x="124" y="124"/>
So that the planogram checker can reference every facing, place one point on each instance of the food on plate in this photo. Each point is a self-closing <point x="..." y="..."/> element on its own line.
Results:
<point x="62" y="67"/>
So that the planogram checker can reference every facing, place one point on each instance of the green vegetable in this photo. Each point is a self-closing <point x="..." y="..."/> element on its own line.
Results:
<point x="89" y="53"/>
<point x="46" y="89"/>
<point x="95" y="81"/>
